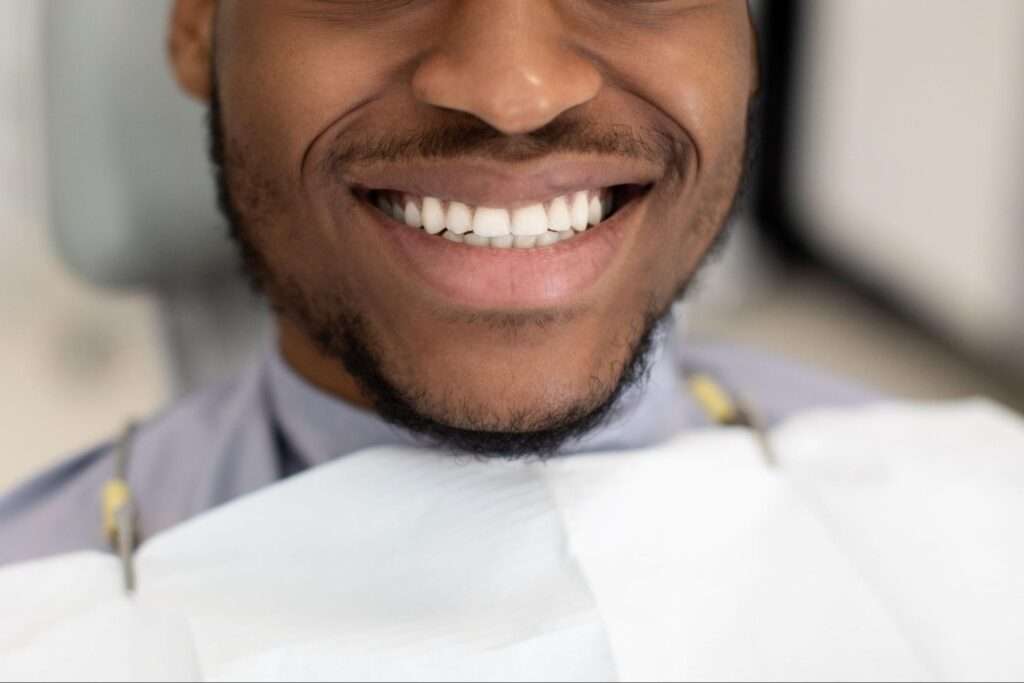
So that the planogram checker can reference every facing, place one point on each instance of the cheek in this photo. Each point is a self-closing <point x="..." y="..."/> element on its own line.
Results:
<point x="285" y="84"/>
<point x="704" y="83"/>
<point x="707" y="103"/>
<point x="281" y="88"/>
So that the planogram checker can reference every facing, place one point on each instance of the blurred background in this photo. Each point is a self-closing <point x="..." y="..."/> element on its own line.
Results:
<point x="880" y="238"/>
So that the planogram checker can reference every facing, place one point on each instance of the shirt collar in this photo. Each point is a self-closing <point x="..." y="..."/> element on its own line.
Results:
<point x="321" y="427"/>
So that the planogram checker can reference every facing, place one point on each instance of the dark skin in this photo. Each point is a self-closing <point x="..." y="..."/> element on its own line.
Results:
<point x="297" y="79"/>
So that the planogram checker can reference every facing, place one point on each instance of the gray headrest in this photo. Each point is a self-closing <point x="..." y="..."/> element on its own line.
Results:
<point x="131" y="192"/>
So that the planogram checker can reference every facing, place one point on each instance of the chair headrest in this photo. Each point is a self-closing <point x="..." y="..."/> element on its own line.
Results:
<point x="132" y="198"/>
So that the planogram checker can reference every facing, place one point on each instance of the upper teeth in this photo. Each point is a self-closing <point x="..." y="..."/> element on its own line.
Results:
<point x="539" y="224"/>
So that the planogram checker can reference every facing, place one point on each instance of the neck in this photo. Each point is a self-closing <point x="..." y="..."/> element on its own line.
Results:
<point x="324" y="372"/>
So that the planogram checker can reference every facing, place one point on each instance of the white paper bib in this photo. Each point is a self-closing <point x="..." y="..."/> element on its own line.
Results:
<point x="886" y="546"/>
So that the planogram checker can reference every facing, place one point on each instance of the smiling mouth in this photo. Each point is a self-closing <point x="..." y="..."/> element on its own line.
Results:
<point x="532" y="226"/>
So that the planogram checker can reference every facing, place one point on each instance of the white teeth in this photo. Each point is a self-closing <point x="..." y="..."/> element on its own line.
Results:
<point x="548" y="238"/>
<point x="524" y="228"/>
<point x="559" y="219"/>
<point x="459" y="219"/>
<point x="491" y="222"/>
<point x="594" y="211"/>
<point x="530" y="220"/>
<point x="433" y="215"/>
<point x="580" y="211"/>
<point x="509" y="241"/>
<point x="412" y="214"/>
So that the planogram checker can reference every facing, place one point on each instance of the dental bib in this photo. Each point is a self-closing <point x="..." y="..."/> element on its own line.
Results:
<point x="886" y="545"/>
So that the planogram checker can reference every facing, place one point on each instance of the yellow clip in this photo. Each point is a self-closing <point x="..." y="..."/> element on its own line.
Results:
<point x="713" y="399"/>
<point x="116" y="495"/>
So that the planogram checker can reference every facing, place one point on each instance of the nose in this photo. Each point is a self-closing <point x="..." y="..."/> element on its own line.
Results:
<point x="506" y="62"/>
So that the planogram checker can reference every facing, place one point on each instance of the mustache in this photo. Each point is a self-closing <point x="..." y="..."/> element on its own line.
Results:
<point x="465" y="136"/>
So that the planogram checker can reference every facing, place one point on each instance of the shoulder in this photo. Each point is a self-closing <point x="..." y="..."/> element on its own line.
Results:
<point x="180" y="465"/>
<point x="777" y="387"/>
<point x="57" y="511"/>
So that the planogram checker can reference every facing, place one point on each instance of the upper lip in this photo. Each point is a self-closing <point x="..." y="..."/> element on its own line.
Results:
<point x="482" y="183"/>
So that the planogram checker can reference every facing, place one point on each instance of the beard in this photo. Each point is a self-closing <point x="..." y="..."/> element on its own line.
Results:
<point x="342" y="333"/>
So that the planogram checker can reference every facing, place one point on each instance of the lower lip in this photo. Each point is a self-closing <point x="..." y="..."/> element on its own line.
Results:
<point x="485" y="278"/>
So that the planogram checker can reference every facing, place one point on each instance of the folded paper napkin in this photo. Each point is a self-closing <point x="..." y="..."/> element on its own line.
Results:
<point x="887" y="545"/>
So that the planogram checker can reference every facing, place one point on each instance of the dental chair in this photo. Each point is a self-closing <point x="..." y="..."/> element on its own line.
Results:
<point x="132" y="198"/>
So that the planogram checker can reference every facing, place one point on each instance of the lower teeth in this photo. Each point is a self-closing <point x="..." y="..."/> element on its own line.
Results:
<point x="510" y="241"/>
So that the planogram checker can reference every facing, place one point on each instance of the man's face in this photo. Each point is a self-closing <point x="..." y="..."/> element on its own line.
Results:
<point x="515" y="107"/>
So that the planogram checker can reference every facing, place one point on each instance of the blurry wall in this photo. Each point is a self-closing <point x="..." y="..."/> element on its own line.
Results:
<point x="907" y="158"/>
<point x="75" y="362"/>
<point x="891" y="180"/>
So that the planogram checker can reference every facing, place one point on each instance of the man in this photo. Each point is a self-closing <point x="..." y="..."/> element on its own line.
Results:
<point x="482" y="349"/>
<point x="472" y="219"/>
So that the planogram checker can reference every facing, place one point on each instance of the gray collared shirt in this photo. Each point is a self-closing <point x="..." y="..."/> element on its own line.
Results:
<point x="268" y="423"/>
